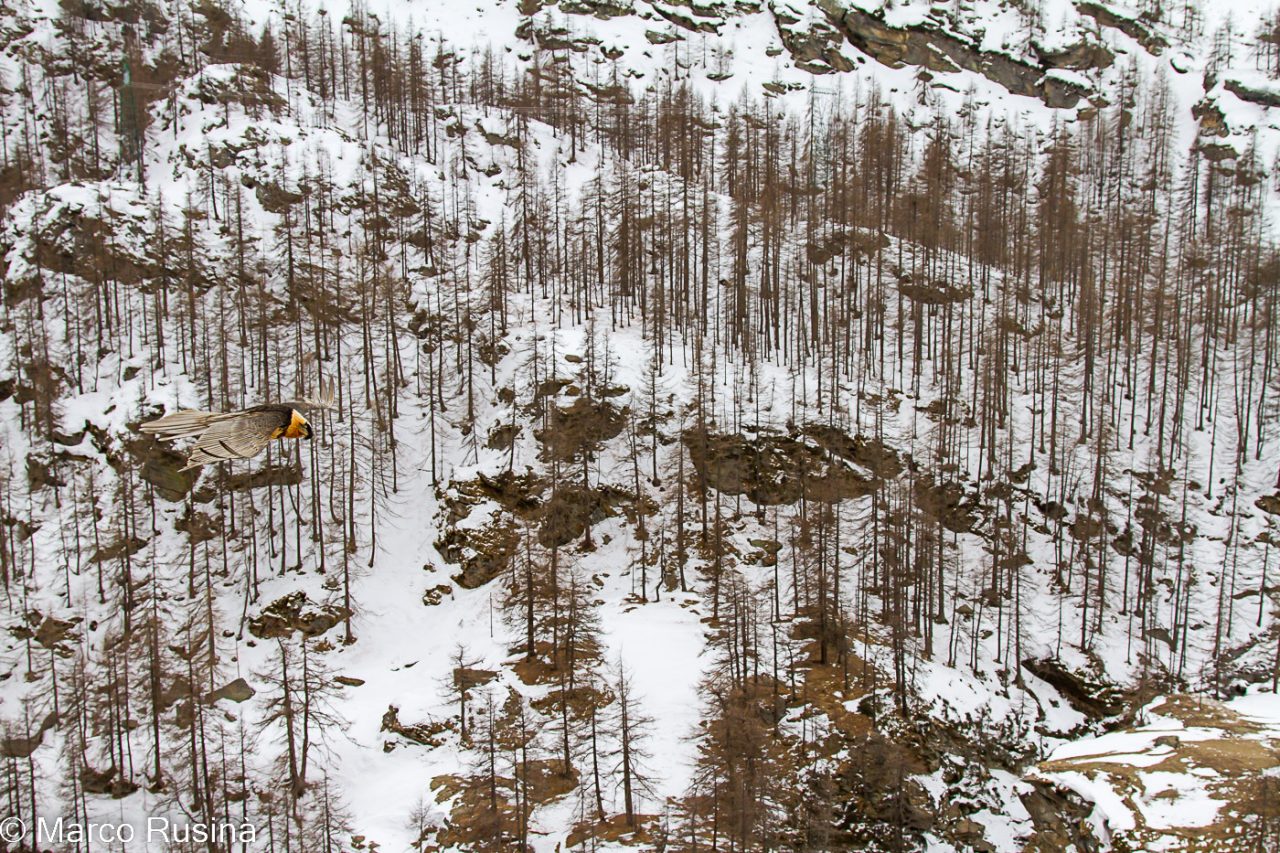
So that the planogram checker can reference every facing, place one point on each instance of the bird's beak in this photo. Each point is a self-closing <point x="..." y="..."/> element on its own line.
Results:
<point x="306" y="430"/>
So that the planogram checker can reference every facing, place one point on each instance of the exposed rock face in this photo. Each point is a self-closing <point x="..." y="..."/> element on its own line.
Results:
<point x="555" y="38"/>
<point x="271" y="475"/>
<point x="1269" y="504"/>
<point x="860" y="242"/>
<point x="72" y="239"/>
<point x="882" y="461"/>
<point x="236" y="691"/>
<point x="938" y="293"/>
<point x="427" y="734"/>
<point x="1257" y="94"/>
<point x="199" y="526"/>
<point x="572" y="509"/>
<point x="579" y="428"/>
<point x="163" y="470"/>
<point x="1079" y="56"/>
<point x="40" y="475"/>
<point x="1217" y="152"/>
<point x="468" y="678"/>
<point x="106" y="782"/>
<point x="22" y="747"/>
<point x="501" y="438"/>
<point x="483" y="553"/>
<point x="698" y="19"/>
<point x="930" y="46"/>
<point x="1085" y="695"/>
<point x="275" y="198"/>
<point x="656" y="37"/>
<point x="815" y="46"/>
<point x="1211" y="118"/>
<point x="119" y="549"/>
<point x="519" y="494"/>
<point x="295" y="612"/>
<point x="1060" y="821"/>
<point x="47" y="631"/>
<point x="1135" y="28"/>
<point x="602" y="9"/>
<point x="771" y="469"/>
<point x="946" y="501"/>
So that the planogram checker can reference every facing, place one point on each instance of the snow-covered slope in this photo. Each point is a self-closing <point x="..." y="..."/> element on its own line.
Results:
<point x="721" y="543"/>
<point x="1196" y="772"/>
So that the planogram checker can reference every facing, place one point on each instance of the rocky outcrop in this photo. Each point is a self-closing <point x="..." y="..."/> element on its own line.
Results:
<point x="22" y="747"/>
<point x="1217" y="152"/>
<point x="602" y="9"/>
<point x="106" y="782"/>
<point x="426" y="734"/>
<point x="469" y="678"/>
<point x="580" y="428"/>
<point x="1136" y="28"/>
<point x="1078" y="56"/>
<point x="1060" y="819"/>
<point x="119" y="549"/>
<point x="938" y="293"/>
<point x="163" y="470"/>
<point x="48" y="631"/>
<point x="1267" y="96"/>
<point x="572" y="510"/>
<point x="1269" y="504"/>
<point x="555" y="38"/>
<point x="235" y="691"/>
<point x="69" y="238"/>
<point x="656" y="37"/>
<point x="482" y="552"/>
<point x="819" y="464"/>
<point x="932" y="47"/>
<point x="1085" y="694"/>
<point x="689" y="16"/>
<point x="295" y="612"/>
<point x="813" y="45"/>
<point x="859" y="242"/>
<point x="519" y="494"/>
<point x="947" y="503"/>
<point x="1212" y="121"/>
<point x="268" y="475"/>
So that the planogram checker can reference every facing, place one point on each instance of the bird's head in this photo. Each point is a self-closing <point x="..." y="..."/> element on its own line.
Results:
<point x="298" y="426"/>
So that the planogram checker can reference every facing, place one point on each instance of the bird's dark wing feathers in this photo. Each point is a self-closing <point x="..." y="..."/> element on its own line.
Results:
<point x="238" y="436"/>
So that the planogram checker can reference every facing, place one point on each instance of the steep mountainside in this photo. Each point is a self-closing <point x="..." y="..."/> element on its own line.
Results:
<point x="759" y="425"/>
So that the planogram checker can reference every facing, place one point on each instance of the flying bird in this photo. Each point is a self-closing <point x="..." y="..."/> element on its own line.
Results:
<point x="221" y="436"/>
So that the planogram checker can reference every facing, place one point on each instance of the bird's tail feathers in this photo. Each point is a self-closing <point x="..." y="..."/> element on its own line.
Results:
<point x="186" y="424"/>
<point x="326" y="396"/>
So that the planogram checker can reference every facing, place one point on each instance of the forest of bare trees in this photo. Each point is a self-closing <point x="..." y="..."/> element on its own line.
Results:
<point x="972" y="392"/>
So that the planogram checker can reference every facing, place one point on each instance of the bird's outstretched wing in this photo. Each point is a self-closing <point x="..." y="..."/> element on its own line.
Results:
<point x="184" y="424"/>
<point x="219" y="437"/>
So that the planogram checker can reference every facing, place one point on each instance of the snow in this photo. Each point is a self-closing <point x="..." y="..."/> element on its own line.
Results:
<point x="661" y="644"/>
<point x="1190" y="806"/>
<point x="1110" y="812"/>
<point x="403" y="649"/>
<point x="1119" y="746"/>
<point x="1147" y="789"/>
<point x="1261" y="708"/>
